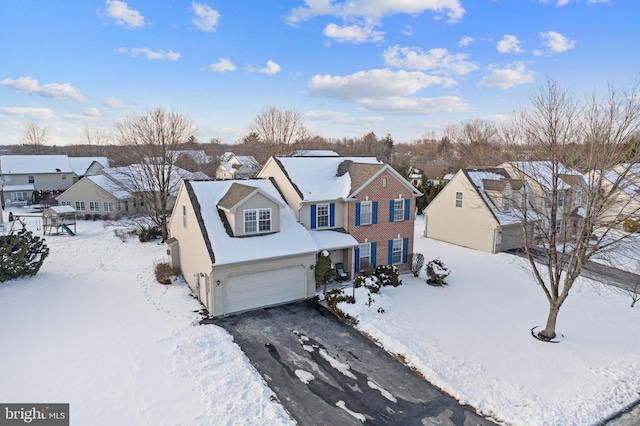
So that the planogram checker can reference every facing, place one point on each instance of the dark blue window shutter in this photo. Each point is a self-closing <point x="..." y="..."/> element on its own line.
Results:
<point x="332" y="215"/>
<point x="391" y="211"/>
<point x="356" y="252"/>
<point x="407" y="209"/>
<point x="373" y="254"/>
<point x="374" y="218"/>
<point x="405" y="250"/>
<point x="390" y="256"/>
<point x="357" y="214"/>
<point x="313" y="216"/>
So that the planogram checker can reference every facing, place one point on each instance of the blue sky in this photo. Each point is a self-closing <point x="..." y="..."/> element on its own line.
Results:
<point x="404" y="67"/>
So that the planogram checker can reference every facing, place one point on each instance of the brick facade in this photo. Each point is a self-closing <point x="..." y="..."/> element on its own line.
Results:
<point x="384" y="230"/>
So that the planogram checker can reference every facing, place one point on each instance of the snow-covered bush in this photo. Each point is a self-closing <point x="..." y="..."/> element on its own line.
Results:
<point x="437" y="272"/>
<point x="388" y="275"/>
<point x="417" y="262"/>
<point x="335" y="296"/>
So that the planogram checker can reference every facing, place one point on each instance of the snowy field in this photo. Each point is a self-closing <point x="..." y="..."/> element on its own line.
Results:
<point x="472" y="339"/>
<point x="94" y="329"/>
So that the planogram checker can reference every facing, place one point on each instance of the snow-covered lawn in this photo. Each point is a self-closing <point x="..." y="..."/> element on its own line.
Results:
<point x="472" y="339"/>
<point x="94" y="329"/>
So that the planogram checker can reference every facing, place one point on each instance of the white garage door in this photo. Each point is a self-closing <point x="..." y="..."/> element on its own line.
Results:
<point x="251" y="291"/>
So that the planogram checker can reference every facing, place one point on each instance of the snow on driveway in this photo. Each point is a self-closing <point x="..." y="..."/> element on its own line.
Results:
<point x="94" y="329"/>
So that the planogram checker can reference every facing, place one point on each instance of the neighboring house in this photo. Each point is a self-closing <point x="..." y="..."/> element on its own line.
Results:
<point x="32" y="178"/>
<point x="119" y="191"/>
<point x="571" y="189"/>
<point x="626" y="200"/>
<point x="87" y="166"/>
<point x="237" y="166"/>
<point x="480" y="209"/>
<point x="358" y="196"/>
<point x="434" y="174"/>
<point x="239" y="245"/>
<point x="197" y="156"/>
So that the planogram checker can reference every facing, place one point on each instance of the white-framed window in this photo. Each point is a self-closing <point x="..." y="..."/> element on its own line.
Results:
<point x="184" y="215"/>
<point x="257" y="220"/>
<point x="506" y="204"/>
<point x="560" y="198"/>
<point x="396" y="254"/>
<point x="80" y="206"/>
<point x="32" y="179"/>
<point x="94" y="206"/>
<point x="366" y="212"/>
<point x="119" y="206"/>
<point x="107" y="206"/>
<point x="384" y="181"/>
<point x="558" y="225"/>
<point x="365" y="254"/>
<point x="64" y="177"/>
<point x="19" y="196"/>
<point x="398" y="209"/>
<point x="65" y="203"/>
<point x="322" y="215"/>
<point x="578" y="200"/>
<point x="458" y="199"/>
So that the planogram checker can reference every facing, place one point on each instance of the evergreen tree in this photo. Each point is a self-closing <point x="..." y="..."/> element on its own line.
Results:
<point x="21" y="254"/>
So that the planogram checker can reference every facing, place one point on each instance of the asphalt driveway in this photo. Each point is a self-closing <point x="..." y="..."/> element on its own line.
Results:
<point x="326" y="373"/>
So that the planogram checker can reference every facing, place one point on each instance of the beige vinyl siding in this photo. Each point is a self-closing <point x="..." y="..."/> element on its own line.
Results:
<point x="86" y="191"/>
<point x="257" y="201"/>
<point x="471" y="225"/>
<point x="196" y="260"/>
<point x="340" y="213"/>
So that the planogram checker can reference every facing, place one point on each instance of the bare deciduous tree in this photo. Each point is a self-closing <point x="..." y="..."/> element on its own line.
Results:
<point x="149" y="138"/>
<point x="35" y="137"/>
<point x="274" y="131"/>
<point x="96" y="139"/>
<point x="575" y="218"/>
<point x="477" y="142"/>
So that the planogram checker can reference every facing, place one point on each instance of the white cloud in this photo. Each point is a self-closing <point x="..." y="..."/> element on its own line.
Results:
<point x="124" y="16"/>
<point x="355" y="9"/>
<point x="114" y="103"/>
<point x="509" y="44"/>
<point x="223" y="65"/>
<point x="92" y="112"/>
<point x="465" y="41"/>
<point x="438" y="60"/>
<point x="51" y="90"/>
<point x="206" y="18"/>
<point x="556" y="42"/>
<point x="514" y="74"/>
<point x="150" y="54"/>
<point x="340" y="117"/>
<point x="40" y="113"/>
<point x="353" y="33"/>
<point x="271" y="68"/>
<point x="402" y="105"/>
<point x="407" y="30"/>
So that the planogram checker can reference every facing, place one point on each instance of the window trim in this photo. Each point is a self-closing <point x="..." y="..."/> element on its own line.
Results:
<point x="257" y="221"/>
<point x="560" y="198"/>
<point x="459" y="196"/>
<point x="31" y="178"/>
<point x="94" y="206"/>
<point x="318" y="215"/>
<point x="107" y="206"/>
<point x="80" y="206"/>
<point x="361" y="257"/>
<point x="184" y="215"/>
<point x="506" y="204"/>
<point x="366" y="215"/>
<point x="578" y="198"/>
<point x="396" y="210"/>
<point x="395" y="251"/>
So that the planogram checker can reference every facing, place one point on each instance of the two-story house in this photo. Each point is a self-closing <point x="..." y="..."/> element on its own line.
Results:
<point x="481" y="209"/>
<point x="358" y="196"/>
<point x="239" y="245"/>
<point x="234" y="166"/>
<point x="28" y="178"/>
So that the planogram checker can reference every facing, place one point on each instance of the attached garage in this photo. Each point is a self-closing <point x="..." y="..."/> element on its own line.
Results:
<point x="254" y="290"/>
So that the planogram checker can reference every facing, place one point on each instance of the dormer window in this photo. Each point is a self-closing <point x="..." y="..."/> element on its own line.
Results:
<point x="506" y="205"/>
<point x="257" y="221"/>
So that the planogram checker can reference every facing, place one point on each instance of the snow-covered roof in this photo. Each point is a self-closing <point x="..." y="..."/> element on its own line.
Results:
<point x="479" y="178"/>
<point x="318" y="179"/>
<point x="626" y="185"/>
<point x="292" y="239"/>
<point x="80" y="165"/>
<point x="332" y="240"/>
<point x="62" y="209"/>
<point x="542" y="172"/>
<point x="34" y="164"/>
<point x="16" y="188"/>
<point x="199" y="156"/>
<point x="132" y="178"/>
<point x="315" y="153"/>
<point x="110" y="186"/>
